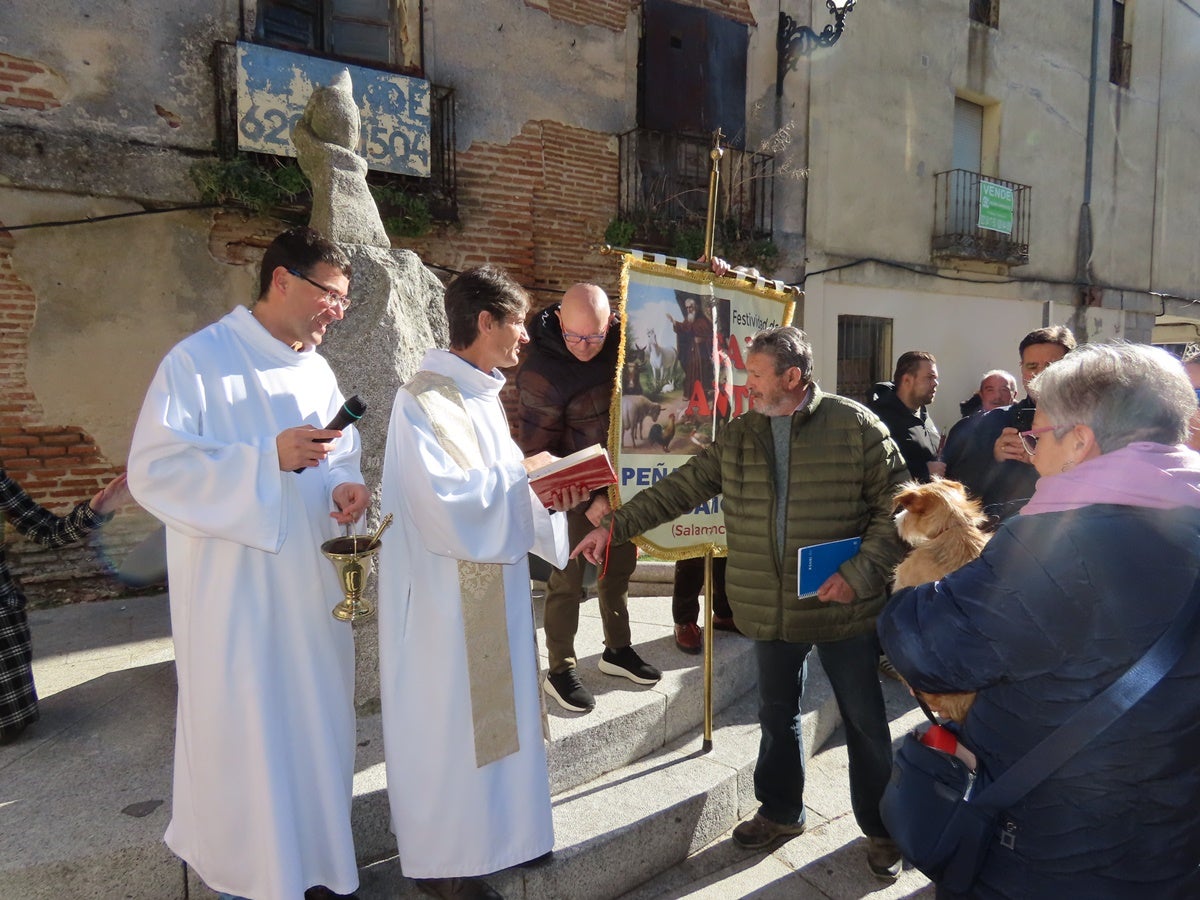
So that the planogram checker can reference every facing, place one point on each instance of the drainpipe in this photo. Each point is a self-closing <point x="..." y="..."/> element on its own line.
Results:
<point x="1084" y="247"/>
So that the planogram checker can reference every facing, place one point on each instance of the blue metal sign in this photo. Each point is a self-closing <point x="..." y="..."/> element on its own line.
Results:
<point x="274" y="86"/>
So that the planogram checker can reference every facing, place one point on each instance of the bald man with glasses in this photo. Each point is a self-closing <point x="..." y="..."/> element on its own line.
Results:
<point x="565" y="388"/>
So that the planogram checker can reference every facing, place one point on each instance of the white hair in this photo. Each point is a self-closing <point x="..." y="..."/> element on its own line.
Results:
<point x="1123" y="392"/>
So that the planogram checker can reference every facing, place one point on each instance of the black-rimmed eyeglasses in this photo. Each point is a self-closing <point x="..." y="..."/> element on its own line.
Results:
<point x="330" y="297"/>
<point x="571" y="338"/>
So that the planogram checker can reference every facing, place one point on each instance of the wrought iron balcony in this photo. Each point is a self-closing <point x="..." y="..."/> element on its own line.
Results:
<point x="664" y="188"/>
<point x="961" y="232"/>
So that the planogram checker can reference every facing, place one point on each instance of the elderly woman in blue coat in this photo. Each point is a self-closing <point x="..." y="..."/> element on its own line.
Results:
<point x="1065" y="598"/>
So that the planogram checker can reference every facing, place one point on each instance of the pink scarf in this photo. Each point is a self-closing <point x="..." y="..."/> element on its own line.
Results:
<point x="1143" y="474"/>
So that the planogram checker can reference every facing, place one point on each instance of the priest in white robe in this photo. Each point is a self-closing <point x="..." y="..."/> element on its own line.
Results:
<point x="265" y="731"/>
<point x="463" y="738"/>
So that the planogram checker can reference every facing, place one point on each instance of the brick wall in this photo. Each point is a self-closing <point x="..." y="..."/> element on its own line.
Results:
<point x="612" y="14"/>
<point x="27" y="84"/>
<point x="534" y="205"/>
<point x="56" y="464"/>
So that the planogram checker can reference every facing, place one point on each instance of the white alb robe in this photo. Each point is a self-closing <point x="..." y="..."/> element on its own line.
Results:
<point x="264" y="743"/>
<point x="450" y="817"/>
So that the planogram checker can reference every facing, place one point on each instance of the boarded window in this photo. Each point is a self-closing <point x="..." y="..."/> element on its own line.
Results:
<point x="692" y="77"/>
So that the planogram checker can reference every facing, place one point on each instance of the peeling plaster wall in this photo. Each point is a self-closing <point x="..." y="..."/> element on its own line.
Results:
<point x="134" y="71"/>
<point x="112" y="299"/>
<point x="510" y="64"/>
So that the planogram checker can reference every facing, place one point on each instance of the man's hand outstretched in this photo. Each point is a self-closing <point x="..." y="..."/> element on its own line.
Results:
<point x="592" y="546"/>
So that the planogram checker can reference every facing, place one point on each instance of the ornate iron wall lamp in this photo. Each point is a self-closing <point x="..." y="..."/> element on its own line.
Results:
<point x="794" y="41"/>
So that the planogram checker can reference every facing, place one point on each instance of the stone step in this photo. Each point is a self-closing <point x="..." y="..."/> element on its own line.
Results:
<point x="629" y="826"/>
<point x="630" y="722"/>
<point x="87" y="794"/>
<point x="827" y="862"/>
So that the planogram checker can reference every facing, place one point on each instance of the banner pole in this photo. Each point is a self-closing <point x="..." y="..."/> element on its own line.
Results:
<point x="708" y="651"/>
<point x="714" y="178"/>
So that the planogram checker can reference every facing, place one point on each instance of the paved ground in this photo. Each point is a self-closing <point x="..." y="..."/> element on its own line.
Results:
<point x="100" y="662"/>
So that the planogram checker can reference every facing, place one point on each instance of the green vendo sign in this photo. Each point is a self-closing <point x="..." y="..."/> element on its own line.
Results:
<point x="995" y="207"/>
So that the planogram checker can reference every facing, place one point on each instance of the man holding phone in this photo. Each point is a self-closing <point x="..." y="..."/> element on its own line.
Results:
<point x="993" y="464"/>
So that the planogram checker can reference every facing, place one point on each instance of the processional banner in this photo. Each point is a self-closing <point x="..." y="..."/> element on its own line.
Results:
<point x="682" y="374"/>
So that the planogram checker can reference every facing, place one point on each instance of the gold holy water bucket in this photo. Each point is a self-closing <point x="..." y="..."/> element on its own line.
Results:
<point x="352" y="556"/>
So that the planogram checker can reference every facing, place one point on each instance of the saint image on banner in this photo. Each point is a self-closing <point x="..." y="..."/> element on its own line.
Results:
<point x="681" y="375"/>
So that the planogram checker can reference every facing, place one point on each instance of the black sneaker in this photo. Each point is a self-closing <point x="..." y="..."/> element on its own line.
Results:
<point x="626" y="663"/>
<point x="568" y="690"/>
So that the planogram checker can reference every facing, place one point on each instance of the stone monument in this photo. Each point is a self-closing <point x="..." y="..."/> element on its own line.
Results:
<point x="397" y="312"/>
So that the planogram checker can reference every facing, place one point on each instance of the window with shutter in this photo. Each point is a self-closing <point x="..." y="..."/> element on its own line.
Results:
<point x="367" y="31"/>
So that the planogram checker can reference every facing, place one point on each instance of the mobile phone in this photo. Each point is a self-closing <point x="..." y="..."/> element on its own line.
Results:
<point x="1024" y="418"/>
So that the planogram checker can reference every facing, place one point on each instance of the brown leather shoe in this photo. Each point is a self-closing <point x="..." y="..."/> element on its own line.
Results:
<point x="758" y="832"/>
<point x="457" y="888"/>
<point x="687" y="637"/>
<point x="725" y="623"/>
<point x="883" y="858"/>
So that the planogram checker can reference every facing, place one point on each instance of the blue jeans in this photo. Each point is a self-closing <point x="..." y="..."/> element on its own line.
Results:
<point x="779" y="773"/>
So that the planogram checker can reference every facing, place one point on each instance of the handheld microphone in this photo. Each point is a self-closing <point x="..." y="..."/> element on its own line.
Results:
<point x="352" y="410"/>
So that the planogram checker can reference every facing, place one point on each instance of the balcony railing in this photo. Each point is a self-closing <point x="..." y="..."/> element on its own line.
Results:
<point x="1119" y="62"/>
<point x="956" y="230"/>
<point x="664" y="187"/>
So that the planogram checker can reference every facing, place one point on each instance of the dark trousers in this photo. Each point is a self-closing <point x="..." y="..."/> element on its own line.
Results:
<point x="779" y="774"/>
<point x="564" y="593"/>
<point x="689" y="583"/>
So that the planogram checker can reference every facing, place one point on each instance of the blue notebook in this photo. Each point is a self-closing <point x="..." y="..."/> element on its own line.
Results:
<point x="819" y="561"/>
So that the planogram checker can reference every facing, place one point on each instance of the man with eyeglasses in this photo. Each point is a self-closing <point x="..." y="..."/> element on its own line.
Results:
<point x="992" y="462"/>
<point x="565" y="389"/>
<point x="230" y="454"/>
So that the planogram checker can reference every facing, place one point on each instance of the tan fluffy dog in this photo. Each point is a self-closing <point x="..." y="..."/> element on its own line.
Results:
<point x="942" y="524"/>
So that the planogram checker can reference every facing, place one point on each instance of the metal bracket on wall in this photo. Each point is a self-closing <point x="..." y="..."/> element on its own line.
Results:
<point x="793" y="41"/>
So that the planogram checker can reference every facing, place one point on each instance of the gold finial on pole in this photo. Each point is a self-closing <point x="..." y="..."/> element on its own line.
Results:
<point x="714" y="178"/>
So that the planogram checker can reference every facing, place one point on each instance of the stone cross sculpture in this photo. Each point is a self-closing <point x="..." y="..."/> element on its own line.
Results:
<point x="326" y="138"/>
<point x="396" y="311"/>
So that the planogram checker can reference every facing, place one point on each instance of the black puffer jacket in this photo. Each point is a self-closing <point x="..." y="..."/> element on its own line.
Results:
<point x="564" y="403"/>
<point x="1057" y="608"/>
<point x="914" y="432"/>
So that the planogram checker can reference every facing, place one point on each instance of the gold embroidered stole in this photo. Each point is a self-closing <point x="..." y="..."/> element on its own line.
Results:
<point x="481" y="585"/>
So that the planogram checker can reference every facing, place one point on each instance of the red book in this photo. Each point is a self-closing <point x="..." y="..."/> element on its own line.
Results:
<point x="589" y="467"/>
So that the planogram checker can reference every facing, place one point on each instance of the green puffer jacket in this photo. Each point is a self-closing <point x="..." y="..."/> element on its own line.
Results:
<point x="844" y="471"/>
